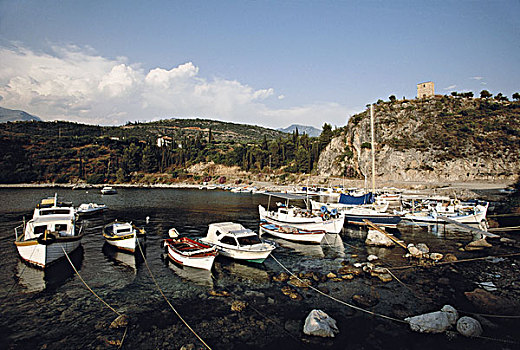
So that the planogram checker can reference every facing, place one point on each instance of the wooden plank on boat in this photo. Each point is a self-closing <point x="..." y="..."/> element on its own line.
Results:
<point x="469" y="228"/>
<point x="392" y="237"/>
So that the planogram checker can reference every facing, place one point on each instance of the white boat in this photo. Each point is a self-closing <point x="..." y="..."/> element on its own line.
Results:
<point x="473" y="216"/>
<point x="292" y="233"/>
<point x="235" y="241"/>
<point x="298" y="217"/>
<point x="189" y="252"/>
<point x="108" y="190"/>
<point x="303" y="219"/>
<point x="90" y="209"/>
<point x="123" y="235"/>
<point x="50" y="234"/>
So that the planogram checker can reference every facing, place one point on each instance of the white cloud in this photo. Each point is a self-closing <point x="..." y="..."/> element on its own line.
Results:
<point x="451" y="87"/>
<point x="477" y="78"/>
<point x="78" y="84"/>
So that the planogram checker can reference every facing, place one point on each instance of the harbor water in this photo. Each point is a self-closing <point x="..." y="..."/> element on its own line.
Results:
<point x="53" y="309"/>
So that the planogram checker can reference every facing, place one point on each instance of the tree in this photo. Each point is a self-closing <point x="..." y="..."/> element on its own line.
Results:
<point x="149" y="160"/>
<point x="326" y="135"/>
<point x="516" y="96"/>
<point x="454" y="94"/>
<point x="501" y="97"/>
<point x="392" y="98"/>
<point x="485" y="94"/>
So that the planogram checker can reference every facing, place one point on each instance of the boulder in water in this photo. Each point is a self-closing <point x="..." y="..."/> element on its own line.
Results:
<point x="376" y="238"/>
<point x="318" y="323"/>
<point x="469" y="327"/>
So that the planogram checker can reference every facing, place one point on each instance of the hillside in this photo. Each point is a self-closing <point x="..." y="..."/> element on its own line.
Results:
<point x="441" y="138"/>
<point x="66" y="152"/>
<point x="11" y="115"/>
<point x="221" y="131"/>
<point x="309" y="130"/>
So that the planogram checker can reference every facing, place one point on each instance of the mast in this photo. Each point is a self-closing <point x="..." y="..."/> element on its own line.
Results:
<point x="373" y="149"/>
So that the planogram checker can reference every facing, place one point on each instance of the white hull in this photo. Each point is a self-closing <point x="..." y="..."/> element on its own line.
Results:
<point x="127" y="244"/>
<point x="44" y="255"/>
<point x="243" y="254"/>
<point x="312" y="223"/>
<point x="463" y="219"/>
<point x="204" y="262"/>
<point x="305" y="238"/>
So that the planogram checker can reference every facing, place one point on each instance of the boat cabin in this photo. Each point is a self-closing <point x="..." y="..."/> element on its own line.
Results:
<point x="232" y="234"/>
<point x="122" y="229"/>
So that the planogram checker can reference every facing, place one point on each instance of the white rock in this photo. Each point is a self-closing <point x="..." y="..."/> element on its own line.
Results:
<point x="318" y="323"/>
<point x="452" y="314"/>
<point x="372" y="257"/>
<point x="414" y="251"/>
<point x="433" y="322"/>
<point x="423" y="248"/>
<point x="376" y="238"/>
<point x="469" y="327"/>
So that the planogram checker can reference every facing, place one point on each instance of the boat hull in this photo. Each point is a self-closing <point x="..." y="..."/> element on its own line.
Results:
<point x="245" y="255"/>
<point x="390" y="221"/>
<point x="331" y="226"/>
<point x="44" y="255"/>
<point x="125" y="243"/>
<point x="314" y="237"/>
<point x="463" y="219"/>
<point x="198" y="260"/>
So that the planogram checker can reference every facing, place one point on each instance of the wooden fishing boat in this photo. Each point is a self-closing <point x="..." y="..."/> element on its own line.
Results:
<point x="49" y="235"/>
<point x="235" y="241"/>
<point x="189" y="252"/>
<point x="124" y="235"/>
<point x="292" y="233"/>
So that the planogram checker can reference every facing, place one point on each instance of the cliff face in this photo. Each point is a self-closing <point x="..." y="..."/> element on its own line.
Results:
<point x="436" y="139"/>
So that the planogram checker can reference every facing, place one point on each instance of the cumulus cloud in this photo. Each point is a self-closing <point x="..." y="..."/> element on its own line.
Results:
<point x="77" y="84"/>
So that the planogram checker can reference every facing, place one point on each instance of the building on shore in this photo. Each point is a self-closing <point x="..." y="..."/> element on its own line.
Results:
<point x="425" y="89"/>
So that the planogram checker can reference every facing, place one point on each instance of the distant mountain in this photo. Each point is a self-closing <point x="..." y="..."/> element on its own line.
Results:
<point x="309" y="130"/>
<point x="11" y="115"/>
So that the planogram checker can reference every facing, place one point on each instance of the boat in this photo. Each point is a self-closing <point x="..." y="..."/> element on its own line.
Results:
<point x="476" y="215"/>
<point x="355" y="216"/>
<point x="49" y="235"/>
<point x="298" y="217"/>
<point x="292" y="233"/>
<point x="123" y="235"/>
<point x="108" y="190"/>
<point x="190" y="252"/>
<point x="86" y="209"/>
<point x="237" y="242"/>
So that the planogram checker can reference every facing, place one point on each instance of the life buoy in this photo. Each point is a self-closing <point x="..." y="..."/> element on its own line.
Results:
<point x="326" y="216"/>
<point x="323" y="209"/>
<point x="46" y="238"/>
<point x="334" y="212"/>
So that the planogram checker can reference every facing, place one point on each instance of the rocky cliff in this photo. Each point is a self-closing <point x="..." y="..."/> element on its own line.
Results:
<point x="442" y="138"/>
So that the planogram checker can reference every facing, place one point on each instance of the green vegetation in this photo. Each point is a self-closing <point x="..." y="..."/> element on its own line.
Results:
<point x="68" y="152"/>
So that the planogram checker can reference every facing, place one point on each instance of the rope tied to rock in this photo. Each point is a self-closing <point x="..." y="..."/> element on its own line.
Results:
<point x="166" y="299"/>
<point x="338" y="300"/>
<point x="95" y="294"/>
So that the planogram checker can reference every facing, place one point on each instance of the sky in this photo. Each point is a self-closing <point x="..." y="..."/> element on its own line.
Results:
<point x="267" y="62"/>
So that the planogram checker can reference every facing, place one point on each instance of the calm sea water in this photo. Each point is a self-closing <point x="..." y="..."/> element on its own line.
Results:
<point x="56" y="302"/>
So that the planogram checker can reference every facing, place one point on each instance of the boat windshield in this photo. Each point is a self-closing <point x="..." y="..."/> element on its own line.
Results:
<point x="249" y="240"/>
<point x="55" y="212"/>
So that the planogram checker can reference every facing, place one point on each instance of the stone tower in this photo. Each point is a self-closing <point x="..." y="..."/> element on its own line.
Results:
<point x="425" y="89"/>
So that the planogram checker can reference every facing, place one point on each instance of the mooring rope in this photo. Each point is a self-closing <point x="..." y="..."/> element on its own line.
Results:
<point x="97" y="296"/>
<point x="266" y="317"/>
<point x="166" y="299"/>
<point x="86" y="285"/>
<point x="338" y="300"/>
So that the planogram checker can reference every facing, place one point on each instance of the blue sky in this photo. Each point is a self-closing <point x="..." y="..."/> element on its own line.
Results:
<point x="272" y="63"/>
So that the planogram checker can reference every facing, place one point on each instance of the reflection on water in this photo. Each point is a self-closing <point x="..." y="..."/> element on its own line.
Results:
<point x="200" y="277"/>
<point x="309" y="250"/>
<point x="122" y="258"/>
<point x="243" y="272"/>
<point x="36" y="280"/>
